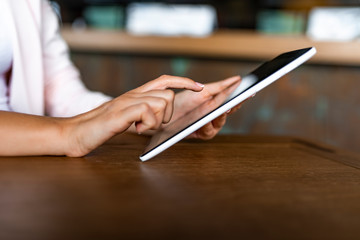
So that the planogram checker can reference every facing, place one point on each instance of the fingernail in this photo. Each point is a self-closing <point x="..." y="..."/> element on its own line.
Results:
<point x="228" y="111"/>
<point x="200" y="84"/>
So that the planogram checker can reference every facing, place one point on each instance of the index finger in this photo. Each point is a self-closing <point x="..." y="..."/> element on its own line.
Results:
<point x="166" y="81"/>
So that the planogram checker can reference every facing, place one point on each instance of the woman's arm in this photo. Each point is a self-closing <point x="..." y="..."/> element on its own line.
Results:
<point x="148" y="106"/>
<point x="23" y="134"/>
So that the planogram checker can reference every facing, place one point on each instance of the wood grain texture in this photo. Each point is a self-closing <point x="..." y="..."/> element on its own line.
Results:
<point x="232" y="187"/>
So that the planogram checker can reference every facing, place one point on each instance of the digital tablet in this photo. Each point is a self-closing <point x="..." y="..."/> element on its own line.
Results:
<point x="250" y="84"/>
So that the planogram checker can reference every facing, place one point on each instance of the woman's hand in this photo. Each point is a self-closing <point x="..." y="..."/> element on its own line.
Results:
<point x="186" y="101"/>
<point x="148" y="106"/>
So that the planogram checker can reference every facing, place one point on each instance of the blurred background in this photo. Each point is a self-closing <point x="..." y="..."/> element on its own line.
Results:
<point x="120" y="44"/>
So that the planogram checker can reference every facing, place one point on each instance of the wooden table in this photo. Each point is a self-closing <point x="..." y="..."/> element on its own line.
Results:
<point x="233" y="187"/>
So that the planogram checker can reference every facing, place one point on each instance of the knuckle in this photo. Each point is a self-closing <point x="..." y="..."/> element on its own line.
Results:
<point x="206" y="94"/>
<point x="152" y="123"/>
<point x="144" y="107"/>
<point x="209" y="134"/>
<point x="170" y="95"/>
<point x="160" y="81"/>
<point x="162" y="103"/>
<point x="208" y="131"/>
<point x="164" y="76"/>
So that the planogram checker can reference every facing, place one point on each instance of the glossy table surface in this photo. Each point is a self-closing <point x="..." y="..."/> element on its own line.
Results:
<point x="232" y="187"/>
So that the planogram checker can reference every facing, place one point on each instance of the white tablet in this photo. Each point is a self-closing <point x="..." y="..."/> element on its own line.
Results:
<point x="260" y="78"/>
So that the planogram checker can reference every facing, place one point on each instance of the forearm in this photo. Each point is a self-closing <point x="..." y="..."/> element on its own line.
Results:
<point x="23" y="134"/>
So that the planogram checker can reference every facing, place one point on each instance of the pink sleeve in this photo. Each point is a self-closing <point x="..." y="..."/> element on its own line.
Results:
<point x="65" y="94"/>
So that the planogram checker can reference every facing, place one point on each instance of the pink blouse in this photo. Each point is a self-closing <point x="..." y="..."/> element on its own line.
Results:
<point x="44" y="80"/>
<point x="6" y="56"/>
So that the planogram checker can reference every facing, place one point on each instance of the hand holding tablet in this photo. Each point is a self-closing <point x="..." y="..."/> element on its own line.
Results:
<point x="231" y="97"/>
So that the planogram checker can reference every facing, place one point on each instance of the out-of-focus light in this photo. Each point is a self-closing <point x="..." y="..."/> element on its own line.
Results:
<point x="170" y="19"/>
<point x="334" y="24"/>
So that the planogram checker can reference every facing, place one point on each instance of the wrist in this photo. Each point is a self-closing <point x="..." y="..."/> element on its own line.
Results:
<point x="70" y="138"/>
